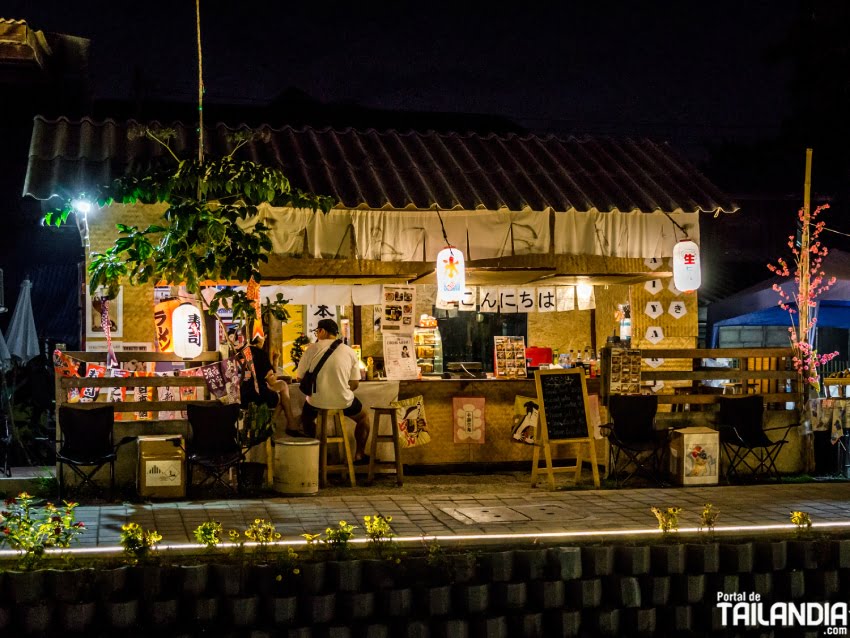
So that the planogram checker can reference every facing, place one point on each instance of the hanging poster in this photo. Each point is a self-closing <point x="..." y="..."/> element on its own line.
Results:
<point x="469" y="419"/>
<point x="143" y="393"/>
<point x="167" y="393"/>
<point x="117" y="395"/>
<point x="399" y="309"/>
<point x="93" y="315"/>
<point x="412" y="425"/>
<point x="290" y="331"/>
<point x="162" y="318"/>
<point x="509" y="357"/>
<point x="399" y="359"/>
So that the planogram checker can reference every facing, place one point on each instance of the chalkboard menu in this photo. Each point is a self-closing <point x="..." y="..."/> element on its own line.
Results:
<point x="563" y="403"/>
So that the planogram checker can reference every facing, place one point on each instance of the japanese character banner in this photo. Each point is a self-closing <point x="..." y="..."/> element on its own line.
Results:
<point x="162" y="321"/>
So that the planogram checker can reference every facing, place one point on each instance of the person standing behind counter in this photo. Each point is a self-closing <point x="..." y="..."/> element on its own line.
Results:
<point x="335" y="385"/>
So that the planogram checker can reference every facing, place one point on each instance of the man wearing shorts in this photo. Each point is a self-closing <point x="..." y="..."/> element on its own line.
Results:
<point x="335" y="385"/>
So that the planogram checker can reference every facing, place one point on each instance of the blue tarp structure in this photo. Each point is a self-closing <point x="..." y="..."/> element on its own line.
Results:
<point x="759" y="304"/>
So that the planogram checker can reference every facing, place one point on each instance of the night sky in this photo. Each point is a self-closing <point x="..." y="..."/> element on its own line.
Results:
<point x="689" y="71"/>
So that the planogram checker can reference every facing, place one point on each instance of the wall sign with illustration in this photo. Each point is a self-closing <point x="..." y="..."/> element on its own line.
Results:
<point x="564" y="418"/>
<point x="399" y="304"/>
<point x="469" y="419"/>
<point x="399" y="357"/>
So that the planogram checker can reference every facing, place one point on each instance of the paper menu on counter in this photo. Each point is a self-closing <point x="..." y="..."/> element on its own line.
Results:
<point x="399" y="357"/>
<point x="509" y="357"/>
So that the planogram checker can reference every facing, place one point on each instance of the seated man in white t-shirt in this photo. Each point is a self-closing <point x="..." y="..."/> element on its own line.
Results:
<point x="335" y="385"/>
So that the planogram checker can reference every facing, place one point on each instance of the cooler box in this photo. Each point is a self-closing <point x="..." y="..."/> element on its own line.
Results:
<point x="536" y="356"/>
<point x="162" y="466"/>
<point x="296" y="466"/>
<point x="695" y="456"/>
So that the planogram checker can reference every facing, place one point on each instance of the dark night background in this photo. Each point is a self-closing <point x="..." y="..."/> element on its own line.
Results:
<point x="741" y="87"/>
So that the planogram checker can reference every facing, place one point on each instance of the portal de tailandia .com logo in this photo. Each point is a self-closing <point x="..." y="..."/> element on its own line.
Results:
<point x="746" y="609"/>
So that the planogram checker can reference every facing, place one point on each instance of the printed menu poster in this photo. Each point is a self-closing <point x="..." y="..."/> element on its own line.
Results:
<point x="399" y="359"/>
<point x="509" y="357"/>
<point x="625" y="371"/>
<point x="399" y="304"/>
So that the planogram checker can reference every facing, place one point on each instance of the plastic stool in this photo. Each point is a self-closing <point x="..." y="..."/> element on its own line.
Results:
<point x="392" y="437"/>
<point x="336" y="417"/>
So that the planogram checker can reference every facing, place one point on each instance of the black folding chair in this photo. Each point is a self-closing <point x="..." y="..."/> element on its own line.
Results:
<point x="86" y="441"/>
<point x="744" y="438"/>
<point x="214" y="445"/>
<point x="632" y="435"/>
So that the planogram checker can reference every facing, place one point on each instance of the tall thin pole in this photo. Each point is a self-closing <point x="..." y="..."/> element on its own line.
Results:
<point x="200" y="84"/>
<point x="803" y="301"/>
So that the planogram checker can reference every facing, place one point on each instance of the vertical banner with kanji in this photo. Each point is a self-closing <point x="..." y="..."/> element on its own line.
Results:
<point x="162" y="322"/>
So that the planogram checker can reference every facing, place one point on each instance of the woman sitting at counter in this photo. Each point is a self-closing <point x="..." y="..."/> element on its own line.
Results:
<point x="272" y="391"/>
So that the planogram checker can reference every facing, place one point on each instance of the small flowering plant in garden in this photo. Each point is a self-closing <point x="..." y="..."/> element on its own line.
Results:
<point x="668" y="519"/>
<point x="208" y="534"/>
<point x="708" y="517"/>
<point x="803" y="522"/>
<point x="138" y="542"/>
<point x="381" y="535"/>
<point x="32" y="530"/>
<point x="262" y="533"/>
<point x="336" y="538"/>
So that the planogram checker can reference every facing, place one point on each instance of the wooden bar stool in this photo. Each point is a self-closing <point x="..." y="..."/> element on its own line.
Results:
<point x="392" y="437"/>
<point x="335" y="417"/>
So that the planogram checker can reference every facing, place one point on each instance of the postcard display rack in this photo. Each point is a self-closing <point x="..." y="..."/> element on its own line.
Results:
<point x="509" y="357"/>
<point x="624" y="371"/>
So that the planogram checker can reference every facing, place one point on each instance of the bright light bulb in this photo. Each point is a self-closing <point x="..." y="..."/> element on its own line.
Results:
<point x="81" y="206"/>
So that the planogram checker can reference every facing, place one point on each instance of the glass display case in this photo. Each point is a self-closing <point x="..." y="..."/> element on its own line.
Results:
<point x="429" y="350"/>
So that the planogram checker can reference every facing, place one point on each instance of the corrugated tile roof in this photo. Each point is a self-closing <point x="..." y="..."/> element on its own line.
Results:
<point x="394" y="170"/>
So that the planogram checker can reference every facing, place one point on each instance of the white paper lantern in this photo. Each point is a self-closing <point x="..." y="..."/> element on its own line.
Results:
<point x="451" y="274"/>
<point x="686" y="267"/>
<point x="188" y="325"/>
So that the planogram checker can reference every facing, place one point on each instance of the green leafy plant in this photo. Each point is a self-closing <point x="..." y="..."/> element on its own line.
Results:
<point x="380" y="534"/>
<point x="208" y="534"/>
<point x="32" y="530"/>
<point x="802" y="520"/>
<point x="336" y="538"/>
<point x="668" y="519"/>
<point x="297" y="350"/>
<point x="314" y="541"/>
<point x="257" y="424"/>
<point x="138" y="542"/>
<point x="708" y="517"/>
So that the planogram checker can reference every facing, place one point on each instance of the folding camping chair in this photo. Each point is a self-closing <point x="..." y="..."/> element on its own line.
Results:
<point x="214" y="445"/>
<point x="632" y="434"/>
<point x="86" y="441"/>
<point x="743" y="436"/>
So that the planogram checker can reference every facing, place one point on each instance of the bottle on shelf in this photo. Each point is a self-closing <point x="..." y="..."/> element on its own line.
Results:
<point x="571" y="359"/>
<point x="555" y="356"/>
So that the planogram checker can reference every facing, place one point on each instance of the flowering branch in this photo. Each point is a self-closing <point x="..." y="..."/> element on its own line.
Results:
<point x="806" y="359"/>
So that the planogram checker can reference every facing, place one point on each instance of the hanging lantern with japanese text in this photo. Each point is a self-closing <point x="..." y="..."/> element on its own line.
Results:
<point x="188" y="325"/>
<point x="451" y="274"/>
<point x="686" y="266"/>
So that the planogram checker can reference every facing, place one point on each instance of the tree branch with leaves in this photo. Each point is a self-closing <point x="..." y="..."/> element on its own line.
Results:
<point x="208" y="234"/>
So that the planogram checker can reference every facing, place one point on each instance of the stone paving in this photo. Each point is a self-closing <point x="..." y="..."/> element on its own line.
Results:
<point x="456" y="508"/>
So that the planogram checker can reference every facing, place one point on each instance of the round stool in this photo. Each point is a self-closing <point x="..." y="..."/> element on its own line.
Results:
<point x="392" y="436"/>
<point x="322" y="422"/>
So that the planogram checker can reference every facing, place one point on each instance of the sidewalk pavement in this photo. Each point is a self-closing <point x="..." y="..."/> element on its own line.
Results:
<point x="451" y="507"/>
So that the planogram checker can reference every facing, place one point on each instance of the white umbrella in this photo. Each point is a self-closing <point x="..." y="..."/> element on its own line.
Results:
<point x="23" y="339"/>
<point x="5" y="357"/>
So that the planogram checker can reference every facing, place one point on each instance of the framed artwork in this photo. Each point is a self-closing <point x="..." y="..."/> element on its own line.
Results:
<point x="469" y="419"/>
<point x="116" y="315"/>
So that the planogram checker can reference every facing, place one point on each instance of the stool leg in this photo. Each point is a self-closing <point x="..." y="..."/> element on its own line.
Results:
<point x="399" y="471"/>
<point x="322" y="422"/>
<point x="373" y="449"/>
<point x="348" y="458"/>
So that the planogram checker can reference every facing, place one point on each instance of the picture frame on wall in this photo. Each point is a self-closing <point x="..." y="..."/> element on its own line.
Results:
<point x="116" y="315"/>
